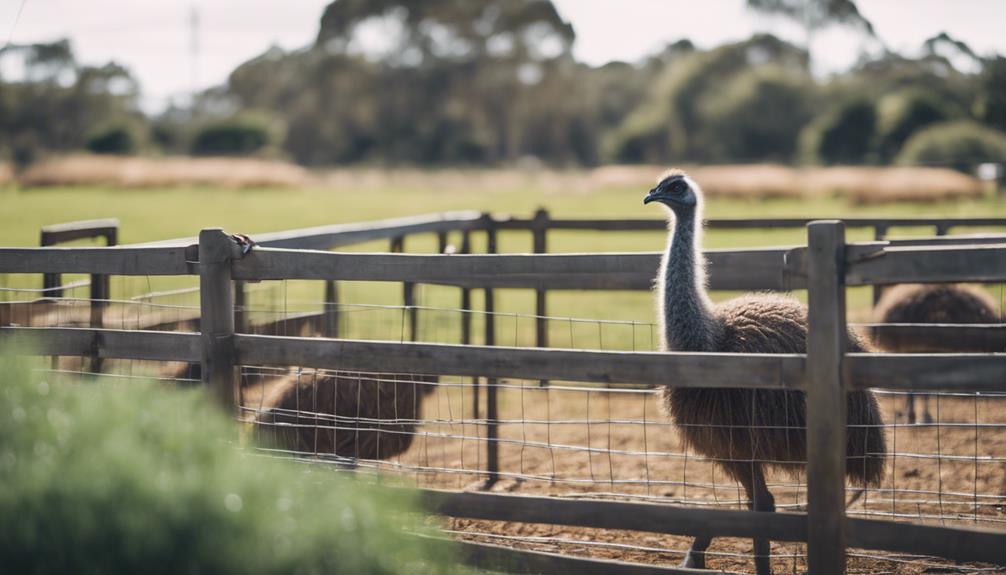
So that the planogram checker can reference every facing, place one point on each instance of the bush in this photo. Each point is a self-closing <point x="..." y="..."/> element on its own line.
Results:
<point x="234" y="137"/>
<point x="960" y="145"/>
<point x="127" y="478"/>
<point x="759" y="116"/>
<point x="901" y="115"/>
<point x="120" y="140"/>
<point x="842" y="137"/>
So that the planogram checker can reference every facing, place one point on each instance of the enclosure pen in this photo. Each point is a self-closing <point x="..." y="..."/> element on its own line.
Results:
<point x="586" y="475"/>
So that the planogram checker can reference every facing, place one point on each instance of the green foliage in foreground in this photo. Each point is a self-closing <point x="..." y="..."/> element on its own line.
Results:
<point x="112" y="478"/>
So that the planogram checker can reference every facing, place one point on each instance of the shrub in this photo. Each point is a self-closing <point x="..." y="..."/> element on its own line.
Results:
<point x="127" y="478"/>
<point x="960" y="145"/>
<point x="234" y="137"/>
<point x="901" y="115"/>
<point x="119" y="139"/>
<point x="843" y="137"/>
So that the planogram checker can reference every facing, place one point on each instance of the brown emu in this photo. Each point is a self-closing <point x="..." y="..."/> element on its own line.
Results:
<point x="355" y="415"/>
<point x="746" y="431"/>
<point x="931" y="303"/>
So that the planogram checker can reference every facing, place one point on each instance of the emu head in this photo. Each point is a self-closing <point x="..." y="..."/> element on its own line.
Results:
<point x="675" y="190"/>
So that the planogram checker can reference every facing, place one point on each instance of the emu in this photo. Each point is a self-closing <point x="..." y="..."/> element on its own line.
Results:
<point x="931" y="303"/>
<point x="748" y="431"/>
<point x="355" y="415"/>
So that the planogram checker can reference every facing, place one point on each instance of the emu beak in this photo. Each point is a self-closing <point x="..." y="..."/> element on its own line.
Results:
<point x="653" y="196"/>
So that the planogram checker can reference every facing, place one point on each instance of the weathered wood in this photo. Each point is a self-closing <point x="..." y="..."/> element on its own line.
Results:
<point x="492" y="402"/>
<point x="540" y="246"/>
<point x="501" y="559"/>
<point x="466" y="302"/>
<point x="763" y="268"/>
<point x="930" y="264"/>
<point x="408" y="292"/>
<point x="216" y="319"/>
<point x="106" y="343"/>
<point x="747" y="371"/>
<point x="947" y="337"/>
<point x="955" y="543"/>
<point x="331" y="236"/>
<point x="826" y="399"/>
<point x="118" y="261"/>
<point x="107" y="228"/>
<point x="330" y="325"/>
<point x="929" y="372"/>
<point x="603" y="514"/>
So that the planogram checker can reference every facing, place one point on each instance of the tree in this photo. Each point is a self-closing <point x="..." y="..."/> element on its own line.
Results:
<point x="814" y="15"/>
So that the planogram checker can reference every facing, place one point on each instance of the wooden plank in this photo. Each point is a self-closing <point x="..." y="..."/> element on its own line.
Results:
<point x="930" y="264"/>
<point x="331" y="236"/>
<point x="826" y="399"/>
<point x="947" y="337"/>
<point x="501" y="559"/>
<point x="955" y="543"/>
<point x="109" y="343"/>
<point x="118" y="261"/>
<point x="606" y="514"/>
<point x="216" y="316"/>
<point x="748" y="371"/>
<point x="929" y="372"/>
<point x="763" y="268"/>
<point x="107" y="228"/>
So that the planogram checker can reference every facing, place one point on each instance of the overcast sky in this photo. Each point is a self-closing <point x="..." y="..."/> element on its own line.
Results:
<point x="153" y="37"/>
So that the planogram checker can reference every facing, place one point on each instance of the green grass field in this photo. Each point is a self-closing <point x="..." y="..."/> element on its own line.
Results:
<point x="154" y="214"/>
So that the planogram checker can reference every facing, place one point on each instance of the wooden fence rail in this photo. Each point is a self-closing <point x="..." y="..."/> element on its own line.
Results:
<point x="826" y="373"/>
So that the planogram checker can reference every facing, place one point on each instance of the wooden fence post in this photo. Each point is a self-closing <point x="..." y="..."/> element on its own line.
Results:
<point x="826" y="399"/>
<point x="879" y="233"/>
<point x="492" y="416"/>
<point x="216" y="319"/>
<point x="540" y="231"/>
<point x="408" y="291"/>
<point x="331" y="320"/>
<point x="240" y="305"/>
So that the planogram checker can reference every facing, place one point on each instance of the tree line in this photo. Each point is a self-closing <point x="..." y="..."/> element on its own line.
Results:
<point x="489" y="82"/>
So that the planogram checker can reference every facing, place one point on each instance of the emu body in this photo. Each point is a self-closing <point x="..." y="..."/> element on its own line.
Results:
<point x="748" y="432"/>
<point x="361" y="416"/>
<point x="931" y="303"/>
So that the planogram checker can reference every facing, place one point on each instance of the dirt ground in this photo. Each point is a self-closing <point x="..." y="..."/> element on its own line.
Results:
<point x="570" y="440"/>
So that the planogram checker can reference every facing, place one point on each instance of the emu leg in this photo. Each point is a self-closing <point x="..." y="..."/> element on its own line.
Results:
<point x="696" y="557"/>
<point x="760" y="499"/>
<point x="926" y="416"/>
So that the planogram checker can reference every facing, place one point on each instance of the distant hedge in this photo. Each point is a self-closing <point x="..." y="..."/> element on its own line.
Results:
<point x="119" y="139"/>
<point x="960" y="145"/>
<point x="844" y="136"/>
<point x="902" y="114"/>
<point x="235" y="137"/>
<point x="133" y="478"/>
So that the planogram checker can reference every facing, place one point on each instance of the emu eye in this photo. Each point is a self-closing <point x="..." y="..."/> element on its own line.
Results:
<point x="678" y="187"/>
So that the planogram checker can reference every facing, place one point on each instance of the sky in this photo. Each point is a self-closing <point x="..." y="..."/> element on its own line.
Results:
<point x="153" y="37"/>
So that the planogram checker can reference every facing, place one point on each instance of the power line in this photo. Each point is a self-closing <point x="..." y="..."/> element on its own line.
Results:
<point x="17" y="18"/>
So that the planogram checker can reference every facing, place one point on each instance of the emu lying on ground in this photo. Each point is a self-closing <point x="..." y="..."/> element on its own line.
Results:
<point x="748" y="431"/>
<point x="931" y="303"/>
<point x="356" y="415"/>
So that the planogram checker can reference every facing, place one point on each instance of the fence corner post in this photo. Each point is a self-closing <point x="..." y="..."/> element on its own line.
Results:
<point x="216" y="319"/>
<point x="826" y="398"/>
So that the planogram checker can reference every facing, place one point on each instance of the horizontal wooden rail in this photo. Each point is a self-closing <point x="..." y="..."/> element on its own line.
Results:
<point x="947" y="337"/>
<point x="61" y="233"/>
<point x="926" y="372"/>
<point x="763" y="268"/>
<point x="170" y="261"/>
<point x="630" y="516"/>
<point x="928" y="264"/>
<point x="335" y="235"/>
<point x="103" y="343"/>
<point x="955" y="543"/>
<point x="611" y="367"/>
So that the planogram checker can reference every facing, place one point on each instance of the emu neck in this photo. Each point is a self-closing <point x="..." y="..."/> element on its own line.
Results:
<point x="686" y="311"/>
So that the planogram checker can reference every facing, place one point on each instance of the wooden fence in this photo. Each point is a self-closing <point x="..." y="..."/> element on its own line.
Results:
<point x="826" y="373"/>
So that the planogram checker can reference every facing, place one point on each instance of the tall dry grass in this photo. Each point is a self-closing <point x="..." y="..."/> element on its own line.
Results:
<point x="135" y="172"/>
